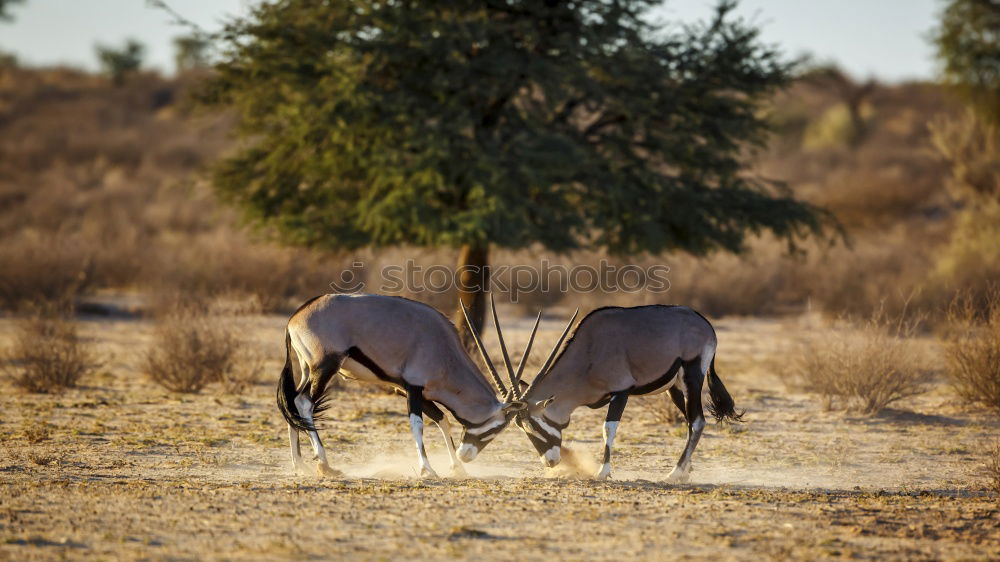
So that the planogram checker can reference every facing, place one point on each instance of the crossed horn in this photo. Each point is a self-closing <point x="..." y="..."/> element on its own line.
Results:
<point x="514" y="393"/>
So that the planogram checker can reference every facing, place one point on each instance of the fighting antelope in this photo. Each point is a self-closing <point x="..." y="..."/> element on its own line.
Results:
<point x="394" y="341"/>
<point x="618" y="352"/>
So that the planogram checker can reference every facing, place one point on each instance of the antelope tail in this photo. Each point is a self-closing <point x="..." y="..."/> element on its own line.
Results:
<point x="287" y="391"/>
<point x="722" y="406"/>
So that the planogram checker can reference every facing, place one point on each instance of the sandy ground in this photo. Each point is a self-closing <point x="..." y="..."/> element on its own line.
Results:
<point x="120" y="469"/>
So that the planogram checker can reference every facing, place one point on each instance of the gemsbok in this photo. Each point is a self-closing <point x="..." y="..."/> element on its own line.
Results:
<point x="618" y="352"/>
<point x="402" y="343"/>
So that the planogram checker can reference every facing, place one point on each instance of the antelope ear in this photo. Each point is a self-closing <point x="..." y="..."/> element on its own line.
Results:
<point x="515" y="406"/>
<point x="541" y="404"/>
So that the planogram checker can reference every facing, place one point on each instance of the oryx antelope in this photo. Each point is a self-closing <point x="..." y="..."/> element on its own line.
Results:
<point x="618" y="352"/>
<point x="394" y="341"/>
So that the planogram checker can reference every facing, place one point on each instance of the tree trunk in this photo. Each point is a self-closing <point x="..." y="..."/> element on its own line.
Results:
<point x="473" y="275"/>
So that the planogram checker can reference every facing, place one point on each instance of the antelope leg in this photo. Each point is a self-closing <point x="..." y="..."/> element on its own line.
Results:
<point x="293" y="441"/>
<point x="693" y="380"/>
<point x="439" y="418"/>
<point x="293" y="433"/>
<point x="415" y="399"/>
<point x="615" y="409"/>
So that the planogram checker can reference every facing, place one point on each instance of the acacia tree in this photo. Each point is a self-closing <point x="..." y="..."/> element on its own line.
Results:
<point x="191" y="52"/>
<point x="119" y="62"/>
<point x="500" y="123"/>
<point x="4" y="8"/>
<point x="968" y="46"/>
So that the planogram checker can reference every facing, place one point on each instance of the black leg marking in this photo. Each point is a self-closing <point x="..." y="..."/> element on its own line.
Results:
<point x="617" y="406"/>
<point x="415" y="400"/>
<point x="678" y="397"/>
<point x="693" y="381"/>
<point x="615" y="409"/>
<point x="415" y="403"/>
<point x="433" y="412"/>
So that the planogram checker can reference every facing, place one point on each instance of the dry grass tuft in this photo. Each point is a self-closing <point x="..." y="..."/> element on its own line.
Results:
<point x="972" y="350"/>
<point x="47" y="355"/>
<point x="662" y="409"/>
<point x="191" y="350"/>
<point x="993" y="470"/>
<point x="42" y="459"/>
<point x="36" y="433"/>
<point x="863" y="369"/>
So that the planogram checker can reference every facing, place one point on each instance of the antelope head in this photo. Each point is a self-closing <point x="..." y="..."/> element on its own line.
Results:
<point x="526" y="414"/>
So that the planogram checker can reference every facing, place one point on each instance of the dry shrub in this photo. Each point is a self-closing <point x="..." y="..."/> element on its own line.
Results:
<point x="663" y="410"/>
<point x="871" y="276"/>
<point x="972" y="350"/>
<point x="864" y="367"/>
<point x="274" y="279"/>
<point x="47" y="355"/>
<point x="48" y="271"/>
<point x="971" y="260"/>
<point x="993" y="470"/>
<point x="191" y="350"/>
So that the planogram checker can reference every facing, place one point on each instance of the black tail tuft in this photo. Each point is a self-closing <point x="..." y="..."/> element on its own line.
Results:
<point x="321" y="404"/>
<point x="287" y="392"/>
<point x="722" y="407"/>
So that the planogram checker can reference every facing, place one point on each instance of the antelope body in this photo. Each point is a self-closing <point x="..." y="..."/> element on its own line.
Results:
<point x="619" y="352"/>
<point x="393" y="341"/>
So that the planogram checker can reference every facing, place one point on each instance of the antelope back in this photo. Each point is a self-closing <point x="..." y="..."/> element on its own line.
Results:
<point x="615" y="348"/>
<point x="404" y="338"/>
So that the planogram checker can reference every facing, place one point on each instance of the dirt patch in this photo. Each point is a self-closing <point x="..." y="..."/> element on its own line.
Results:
<point x="122" y="469"/>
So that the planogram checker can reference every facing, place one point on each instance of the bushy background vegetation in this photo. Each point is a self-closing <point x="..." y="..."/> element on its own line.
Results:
<point x="119" y="201"/>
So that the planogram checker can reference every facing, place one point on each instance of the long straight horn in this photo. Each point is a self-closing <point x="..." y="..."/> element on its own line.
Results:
<point x="548" y="362"/>
<point x="503" y="348"/>
<point x="524" y="359"/>
<point x="482" y="351"/>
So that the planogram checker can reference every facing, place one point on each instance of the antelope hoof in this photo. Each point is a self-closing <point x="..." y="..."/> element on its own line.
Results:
<point x="428" y="472"/>
<point x="604" y="473"/>
<point x="678" y="476"/>
<point x="326" y="470"/>
<point x="458" y="470"/>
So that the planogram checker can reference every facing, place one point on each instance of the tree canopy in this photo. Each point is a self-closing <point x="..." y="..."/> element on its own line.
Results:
<point x="501" y="123"/>
<point x="968" y="46"/>
<point x="5" y="8"/>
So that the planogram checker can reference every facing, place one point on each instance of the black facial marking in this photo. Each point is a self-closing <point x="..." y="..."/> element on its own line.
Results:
<point x="542" y="444"/>
<point x="481" y="440"/>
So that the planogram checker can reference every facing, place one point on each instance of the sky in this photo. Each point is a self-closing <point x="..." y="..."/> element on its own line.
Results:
<point x="882" y="39"/>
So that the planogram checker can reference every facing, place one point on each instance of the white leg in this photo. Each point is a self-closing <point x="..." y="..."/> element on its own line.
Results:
<point x="293" y="441"/>
<point x="456" y="465"/>
<point x="417" y="429"/>
<point x="305" y="407"/>
<point x="610" y="428"/>
<point x="615" y="408"/>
